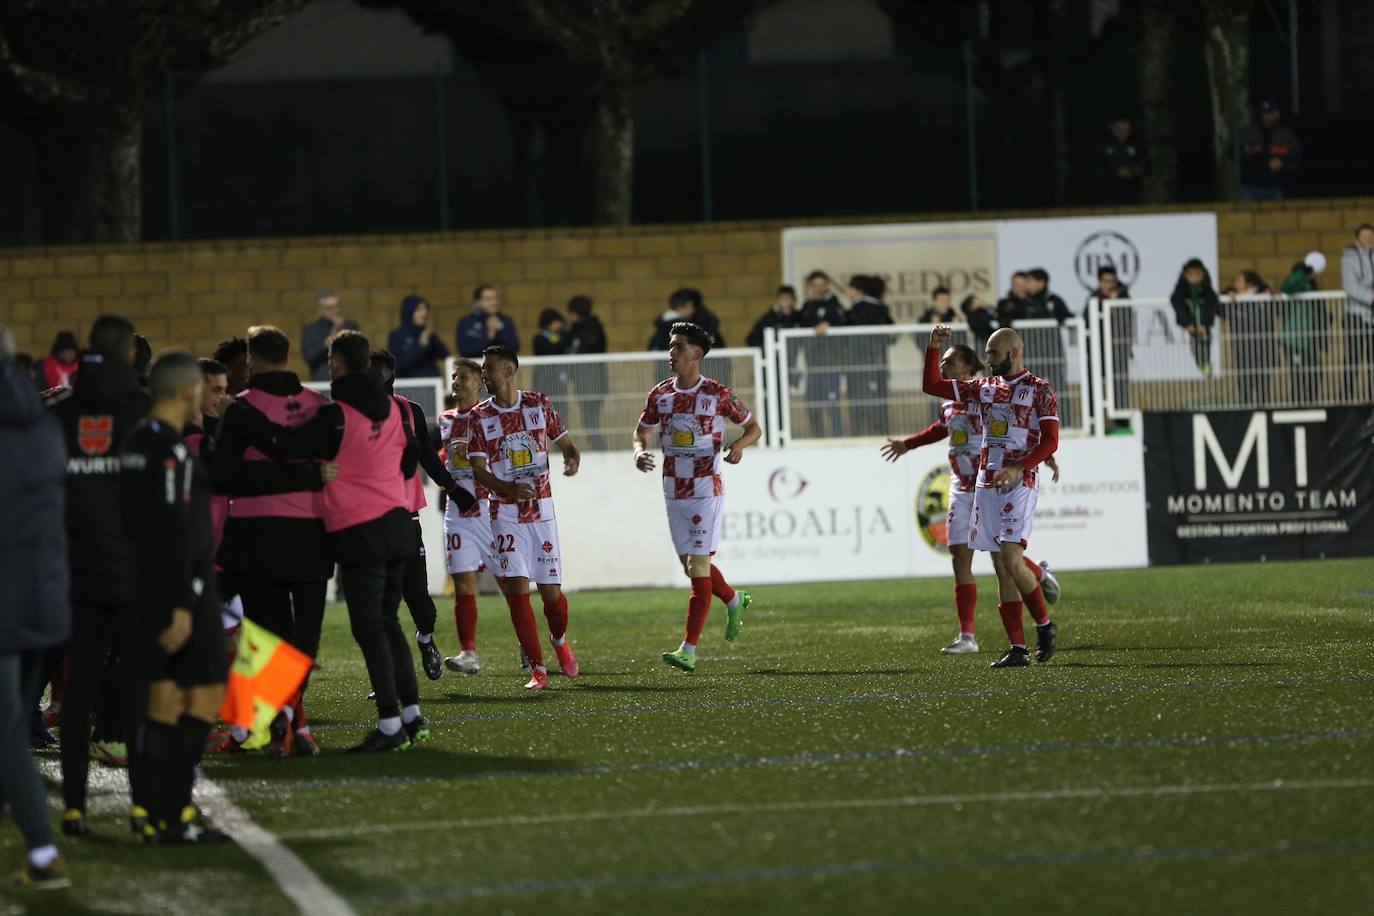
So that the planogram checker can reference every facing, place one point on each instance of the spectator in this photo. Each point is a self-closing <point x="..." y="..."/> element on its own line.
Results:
<point x="35" y="613"/>
<point x="1357" y="279"/>
<point x="418" y="350"/>
<point x="233" y="355"/>
<point x="981" y="317"/>
<point x="684" y="309"/>
<point x="587" y="336"/>
<point x="57" y="369"/>
<point x="1304" y="329"/>
<point x="1109" y="286"/>
<point x="822" y="311"/>
<point x="941" y="309"/>
<point x="551" y="341"/>
<point x="1040" y="302"/>
<point x="1120" y="334"/>
<point x="486" y="325"/>
<point x="1119" y="164"/>
<point x="783" y="314"/>
<point x="868" y="374"/>
<point x="315" y="336"/>
<point x="1250" y="330"/>
<point x="1012" y="306"/>
<point x="1249" y="283"/>
<point x="1272" y="156"/>
<point x="1195" y="309"/>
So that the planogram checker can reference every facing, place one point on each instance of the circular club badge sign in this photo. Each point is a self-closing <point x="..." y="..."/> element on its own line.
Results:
<point x="932" y="508"/>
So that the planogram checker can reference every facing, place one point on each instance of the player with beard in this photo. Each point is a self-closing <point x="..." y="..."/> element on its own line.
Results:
<point x="1020" y="431"/>
<point x="961" y="423"/>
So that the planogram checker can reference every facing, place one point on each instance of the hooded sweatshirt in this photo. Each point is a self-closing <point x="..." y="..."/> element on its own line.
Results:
<point x="54" y="371"/>
<point x="414" y="359"/>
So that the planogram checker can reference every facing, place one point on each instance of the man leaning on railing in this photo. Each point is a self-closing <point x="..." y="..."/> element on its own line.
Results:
<point x="1357" y="279"/>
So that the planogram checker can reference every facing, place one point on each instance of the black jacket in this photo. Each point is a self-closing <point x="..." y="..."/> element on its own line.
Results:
<point x="827" y="310"/>
<point x="587" y="335"/>
<point x="35" y="612"/>
<point x="1195" y="305"/>
<point x="1044" y="304"/>
<point x="1109" y="157"/>
<point x="770" y="319"/>
<point x="869" y="350"/>
<point x="97" y="416"/>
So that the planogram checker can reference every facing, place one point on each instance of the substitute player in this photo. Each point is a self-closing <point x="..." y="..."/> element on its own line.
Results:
<point x="508" y="446"/>
<point x="961" y="422"/>
<point x="165" y="496"/>
<point x="690" y="411"/>
<point x="467" y="532"/>
<point x="1020" y="414"/>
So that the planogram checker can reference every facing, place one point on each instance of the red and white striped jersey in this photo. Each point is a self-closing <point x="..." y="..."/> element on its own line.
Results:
<point x="963" y="421"/>
<point x="1012" y="411"/>
<point x="455" y="432"/>
<point x="515" y="443"/>
<point x="691" y="430"/>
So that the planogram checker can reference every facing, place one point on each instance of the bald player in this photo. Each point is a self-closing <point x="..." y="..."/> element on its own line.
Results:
<point x="1020" y="414"/>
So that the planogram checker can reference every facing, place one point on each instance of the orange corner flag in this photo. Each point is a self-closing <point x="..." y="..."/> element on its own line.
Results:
<point x="265" y="673"/>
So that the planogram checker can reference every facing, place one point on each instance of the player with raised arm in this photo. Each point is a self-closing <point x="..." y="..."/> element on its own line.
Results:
<point x="1020" y="414"/>
<point x="961" y="422"/>
<point x="689" y="411"/>
<point x="508" y="446"/>
<point x="467" y="533"/>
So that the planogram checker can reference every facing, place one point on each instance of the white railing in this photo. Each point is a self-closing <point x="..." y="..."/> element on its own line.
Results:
<point x="429" y="393"/>
<point x="1261" y="352"/>
<point x="865" y="382"/>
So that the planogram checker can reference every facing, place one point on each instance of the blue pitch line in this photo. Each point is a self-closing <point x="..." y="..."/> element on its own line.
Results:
<point x="846" y="869"/>
<point x="844" y="698"/>
<point x="808" y="759"/>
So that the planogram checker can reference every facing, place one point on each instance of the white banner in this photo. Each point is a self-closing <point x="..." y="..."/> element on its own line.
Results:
<point x="805" y="514"/>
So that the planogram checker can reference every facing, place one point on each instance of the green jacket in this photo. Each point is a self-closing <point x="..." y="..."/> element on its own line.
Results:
<point x="1302" y="319"/>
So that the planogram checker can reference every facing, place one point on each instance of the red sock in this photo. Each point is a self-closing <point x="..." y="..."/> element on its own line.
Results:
<point x="965" y="603"/>
<point x="298" y="720"/>
<point x="465" y="616"/>
<point x="1034" y="567"/>
<point x="697" y="608"/>
<point x="1011" y="622"/>
<point x="526" y="630"/>
<point x="557" y="616"/>
<point x="1035" y="603"/>
<point x="719" y="587"/>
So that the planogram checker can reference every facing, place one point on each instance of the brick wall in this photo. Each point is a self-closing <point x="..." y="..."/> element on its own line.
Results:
<point x="196" y="293"/>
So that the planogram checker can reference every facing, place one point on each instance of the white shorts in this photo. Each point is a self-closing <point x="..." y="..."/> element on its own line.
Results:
<point x="695" y="524"/>
<point x="527" y="550"/>
<point x="959" y="521"/>
<point x="468" y="543"/>
<point x="1002" y="517"/>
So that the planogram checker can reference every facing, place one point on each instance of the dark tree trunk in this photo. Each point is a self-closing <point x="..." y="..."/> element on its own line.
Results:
<point x="1160" y="127"/>
<point x="90" y="180"/>
<point x="614" y="185"/>
<point x="1227" y="51"/>
<point x="1054" y="24"/>
<point x="531" y="162"/>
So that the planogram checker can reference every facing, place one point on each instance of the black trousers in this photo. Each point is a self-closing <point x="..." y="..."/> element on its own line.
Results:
<point x="292" y="610"/>
<point x="415" y="587"/>
<point x="373" y="595"/>
<point x="20" y="786"/>
<point x="96" y="631"/>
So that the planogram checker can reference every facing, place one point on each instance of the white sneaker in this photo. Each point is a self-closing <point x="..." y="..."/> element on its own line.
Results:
<point x="464" y="662"/>
<point x="962" y="645"/>
<point x="1049" y="585"/>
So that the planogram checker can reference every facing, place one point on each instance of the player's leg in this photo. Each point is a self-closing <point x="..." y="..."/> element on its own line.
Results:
<point x="364" y="589"/>
<point x="698" y="570"/>
<point x="415" y="590"/>
<point x="983" y="535"/>
<point x="414" y="725"/>
<point x="467" y="546"/>
<point x="513" y="549"/>
<point x="737" y="601"/>
<point x="201" y="704"/>
<point x="958" y="529"/>
<point x="307" y="605"/>
<point x="87" y="650"/>
<point x="133" y="706"/>
<point x="165" y="706"/>
<point x="1017" y="520"/>
<point x="548" y="577"/>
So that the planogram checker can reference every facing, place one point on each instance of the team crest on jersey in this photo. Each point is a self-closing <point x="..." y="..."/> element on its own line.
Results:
<point x="534" y="418"/>
<point x="696" y="520"/>
<point x="706" y="405"/>
<point x="95" y="434"/>
<point x="1023" y="396"/>
<point x="547" y="546"/>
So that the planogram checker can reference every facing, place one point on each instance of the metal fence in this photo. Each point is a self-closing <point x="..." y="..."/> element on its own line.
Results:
<point x="865" y="382"/>
<point x="1261" y="352"/>
<point x="429" y="393"/>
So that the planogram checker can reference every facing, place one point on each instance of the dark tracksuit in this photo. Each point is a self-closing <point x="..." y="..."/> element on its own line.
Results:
<point x="822" y="376"/>
<point x="415" y="587"/>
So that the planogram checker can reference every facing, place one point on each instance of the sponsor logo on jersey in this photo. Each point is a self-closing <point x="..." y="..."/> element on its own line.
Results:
<point x="547" y="546"/>
<point x="95" y="434"/>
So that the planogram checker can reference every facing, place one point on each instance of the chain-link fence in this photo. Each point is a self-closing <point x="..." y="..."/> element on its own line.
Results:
<point x="865" y="382"/>
<point x="1260" y="352"/>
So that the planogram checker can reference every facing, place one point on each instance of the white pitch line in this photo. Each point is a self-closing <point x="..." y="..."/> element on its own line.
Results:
<point x="901" y="801"/>
<point x="109" y="793"/>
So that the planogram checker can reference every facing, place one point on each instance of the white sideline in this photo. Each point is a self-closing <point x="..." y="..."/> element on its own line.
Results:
<point x="109" y="793"/>
<point x="901" y="801"/>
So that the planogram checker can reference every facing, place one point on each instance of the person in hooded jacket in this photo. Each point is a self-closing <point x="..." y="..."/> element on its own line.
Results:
<point x="868" y="378"/>
<point x="59" y="368"/>
<point x="418" y="350"/>
<point x="1196" y="305"/>
<point x="34" y="612"/>
<point x="588" y="335"/>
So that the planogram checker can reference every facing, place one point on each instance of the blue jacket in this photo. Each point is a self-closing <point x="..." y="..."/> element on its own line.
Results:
<point x="472" y="334"/>
<point x="414" y="360"/>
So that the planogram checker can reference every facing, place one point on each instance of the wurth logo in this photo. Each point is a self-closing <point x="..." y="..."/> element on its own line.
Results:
<point x="95" y="434"/>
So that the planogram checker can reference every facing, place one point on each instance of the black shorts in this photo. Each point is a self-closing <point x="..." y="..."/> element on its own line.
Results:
<point x="204" y="660"/>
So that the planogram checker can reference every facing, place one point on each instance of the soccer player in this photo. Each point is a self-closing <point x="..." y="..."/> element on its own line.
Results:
<point x="166" y="501"/>
<point x="1020" y="415"/>
<point x="415" y="586"/>
<point x="689" y="412"/>
<point x="509" y="438"/>
<point x="961" y="422"/>
<point x="467" y="533"/>
<point x="97" y="414"/>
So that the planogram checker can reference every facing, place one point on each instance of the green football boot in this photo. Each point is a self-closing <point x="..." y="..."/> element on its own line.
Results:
<point x="681" y="658"/>
<point x="735" y="619"/>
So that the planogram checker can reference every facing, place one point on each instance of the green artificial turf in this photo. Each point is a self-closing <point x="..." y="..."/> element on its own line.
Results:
<point x="1203" y="742"/>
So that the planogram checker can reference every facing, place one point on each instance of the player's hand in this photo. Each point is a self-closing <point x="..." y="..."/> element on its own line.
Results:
<point x="1009" y="476"/>
<point x="329" y="471"/>
<point x="49" y="393"/>
<point x="521" y="492"/>
<point x="570" y="464"/>
<point x="939" y="337"/>
<point x="175" y="637"/>
<point x="644" y="460"/>
<point x="461" y="498"/>
<point x="894" y="449"/>
<point x="734" y="454"/>
<point x="1054" y="467"/>
<point x="822" y="328"/>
